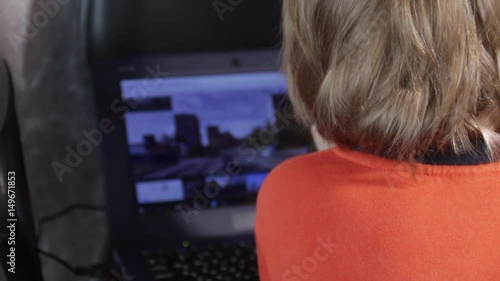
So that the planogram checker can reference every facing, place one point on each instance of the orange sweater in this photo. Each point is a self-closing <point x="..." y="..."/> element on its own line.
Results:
<point x="343" y="215"/>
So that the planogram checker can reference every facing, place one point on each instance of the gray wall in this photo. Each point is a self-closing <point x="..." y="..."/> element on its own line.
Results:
<point x="54" y="102"/>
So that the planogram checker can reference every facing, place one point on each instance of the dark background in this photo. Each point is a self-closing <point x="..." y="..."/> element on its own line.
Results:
<point x="53" y="84"/>
<point x="54" y="103"/>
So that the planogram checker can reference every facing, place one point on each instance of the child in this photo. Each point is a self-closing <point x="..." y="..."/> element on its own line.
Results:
<point x="409" y="93"/>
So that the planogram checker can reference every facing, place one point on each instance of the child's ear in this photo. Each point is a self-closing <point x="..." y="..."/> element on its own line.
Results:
<point x="321" y="144"/>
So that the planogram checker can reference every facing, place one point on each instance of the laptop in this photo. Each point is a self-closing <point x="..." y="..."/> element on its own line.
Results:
<point x="188" y="141"/>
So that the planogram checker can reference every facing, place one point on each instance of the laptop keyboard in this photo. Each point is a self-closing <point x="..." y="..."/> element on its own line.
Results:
<point x="211" y="263"/>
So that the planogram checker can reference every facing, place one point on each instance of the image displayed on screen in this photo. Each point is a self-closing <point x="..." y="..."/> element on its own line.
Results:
<point x="228" y="130"/>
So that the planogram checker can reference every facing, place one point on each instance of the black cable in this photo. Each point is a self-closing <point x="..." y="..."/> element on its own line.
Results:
<point x="96" y="270"/>
<point x="57" y="259"/>
<point x="63" y="212"/>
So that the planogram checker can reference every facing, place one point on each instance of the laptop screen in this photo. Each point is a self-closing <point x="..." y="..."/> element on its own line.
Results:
<point x="207" y="141"/>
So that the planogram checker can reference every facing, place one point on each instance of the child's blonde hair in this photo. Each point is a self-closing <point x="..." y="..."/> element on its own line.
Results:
<point x="396" y="77"/>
